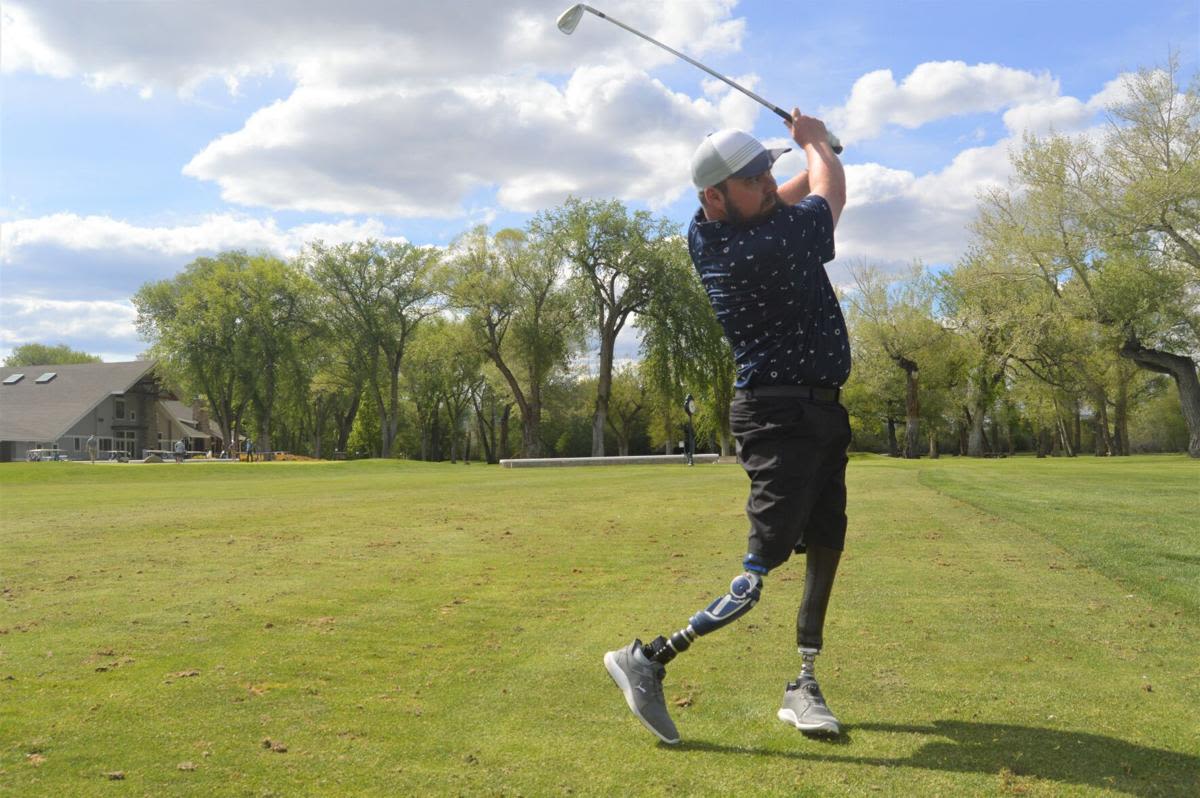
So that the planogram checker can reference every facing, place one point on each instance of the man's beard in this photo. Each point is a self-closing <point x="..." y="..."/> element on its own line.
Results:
<point x="734" y="216"/>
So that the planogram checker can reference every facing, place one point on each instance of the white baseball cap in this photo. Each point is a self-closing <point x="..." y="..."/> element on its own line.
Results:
<point x="730" y="153"/>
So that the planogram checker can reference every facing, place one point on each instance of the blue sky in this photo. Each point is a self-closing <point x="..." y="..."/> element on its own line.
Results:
<point x="135" y="137"/>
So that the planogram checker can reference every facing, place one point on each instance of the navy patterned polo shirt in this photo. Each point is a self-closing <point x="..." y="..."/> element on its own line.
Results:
<point x="768" y="285"/>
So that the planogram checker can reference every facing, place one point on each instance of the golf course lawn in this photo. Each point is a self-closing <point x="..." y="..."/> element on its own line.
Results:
<point x="1020" y="626"/>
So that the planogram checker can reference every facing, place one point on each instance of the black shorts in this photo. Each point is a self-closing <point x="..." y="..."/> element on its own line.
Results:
<point x="794" y="451"/>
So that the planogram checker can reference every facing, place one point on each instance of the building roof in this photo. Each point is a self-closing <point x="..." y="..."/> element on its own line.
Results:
<point x="185" y="417"/>
<point x="43" y="411"/>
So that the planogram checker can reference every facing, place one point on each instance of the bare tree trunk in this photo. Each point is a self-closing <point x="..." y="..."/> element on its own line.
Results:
<point x="1183" y="370"/>
<point x="1105" y="446"/>
<point x="505" y="454"/>
<point x="1121" y="418"/>
<point x="912" y="408"/>
<point x="893" y="448"/>
<point x="933" y="446"/>
<point x="603" y="391"/>
<point x="485" y="429"/>
<point x="1078" y="426"/>
<point x="1063" y="435"/>
<point x="977" y="440"/>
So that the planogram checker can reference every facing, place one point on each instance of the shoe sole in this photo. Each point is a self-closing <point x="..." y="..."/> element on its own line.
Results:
<point x="618" y="676"/>
<point x="823" y="727"/>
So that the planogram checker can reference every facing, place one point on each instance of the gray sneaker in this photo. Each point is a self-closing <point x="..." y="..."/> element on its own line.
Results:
<point x="804" y="707"/>
<point x="641" y="682"/>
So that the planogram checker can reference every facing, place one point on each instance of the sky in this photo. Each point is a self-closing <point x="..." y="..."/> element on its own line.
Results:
<point x="136" y="136"/>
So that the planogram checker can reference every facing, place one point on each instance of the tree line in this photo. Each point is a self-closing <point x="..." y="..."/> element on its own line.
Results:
<point x="1071" y="322"/>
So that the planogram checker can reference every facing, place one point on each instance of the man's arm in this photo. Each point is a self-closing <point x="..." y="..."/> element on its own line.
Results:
<point x="795" y="189"/>
<point x="825" y="175"/>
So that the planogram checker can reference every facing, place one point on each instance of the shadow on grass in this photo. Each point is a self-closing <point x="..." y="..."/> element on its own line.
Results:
<point x="1022" y="751"/>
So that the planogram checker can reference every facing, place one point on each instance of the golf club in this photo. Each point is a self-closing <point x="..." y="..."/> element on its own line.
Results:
<point x="569" y="20"/>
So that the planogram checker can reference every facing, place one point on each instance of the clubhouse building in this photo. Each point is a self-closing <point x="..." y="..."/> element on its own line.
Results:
<point x="124" y="405"/>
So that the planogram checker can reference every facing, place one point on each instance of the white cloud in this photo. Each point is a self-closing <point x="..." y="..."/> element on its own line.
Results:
<point x="354" y="42"/>
<point x="104" y="328"/>
<point x="1114" y="92"/>
<point x="213" y="233"/>
<point x="932" y="91"/>
<point x="420" y="151"/>
<point x="22" y="46"/>
<point x="71" y="257"/>
<point x="893" y="216"/>
<point x="408" y="109"/>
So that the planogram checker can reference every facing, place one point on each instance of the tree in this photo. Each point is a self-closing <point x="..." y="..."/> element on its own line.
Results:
<point x="685" y="351"/>
<point x="617" y="259"/>
<point x="521" y="315"/>
<point x="874" y="393"/>
<point x="627" y="404"/>
<point x="275" y="301"/>
<point x="1110" y="233"/>
<point x="227" y="328"/>
<point x="443" y="376"/>
<point x="1148" y="196"/>
<point x="897" y="318"/>
<point x="34" y="354"/>
<point x="985" y="311"/>
<point x="375" y="294"/>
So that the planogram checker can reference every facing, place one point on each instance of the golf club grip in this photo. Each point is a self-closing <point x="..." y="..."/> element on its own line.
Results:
<point x="833" y="140"/>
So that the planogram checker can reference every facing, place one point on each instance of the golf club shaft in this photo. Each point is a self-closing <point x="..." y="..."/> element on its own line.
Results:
<point x="833" y="140"/>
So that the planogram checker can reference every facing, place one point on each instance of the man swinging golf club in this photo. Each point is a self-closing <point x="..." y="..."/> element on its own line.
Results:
<point x="760" y="250"/>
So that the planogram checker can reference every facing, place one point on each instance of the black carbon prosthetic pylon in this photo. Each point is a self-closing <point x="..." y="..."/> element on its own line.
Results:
<point x="821" y="568"/>
<point x="663" y="650"/>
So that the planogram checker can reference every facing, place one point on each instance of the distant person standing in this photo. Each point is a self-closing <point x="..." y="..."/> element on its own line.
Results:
<point x="180" y="450"/>
<point x="249" y="451"/>
<point x="91" y="448"/>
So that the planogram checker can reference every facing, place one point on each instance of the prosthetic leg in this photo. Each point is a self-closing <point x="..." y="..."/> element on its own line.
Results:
<point x="821" y="568"/>
<point x="803" y="704"/>
<point x="744" y="592"/>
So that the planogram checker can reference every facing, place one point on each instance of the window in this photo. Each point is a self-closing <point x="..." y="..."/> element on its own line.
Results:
<point x="49" y="375"/>
<point x="77" y="446"/>
<point x="105" y="444"/>
<point x="13" y="379"/>
<point x="118" y="408"/>
<point x="125" y="440"/>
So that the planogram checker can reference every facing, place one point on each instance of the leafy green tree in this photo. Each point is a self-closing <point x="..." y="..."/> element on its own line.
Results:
<point x="227" y="328"/>
<point x="492" y="405"/>
<point x="443" y="374"/>
<point x="375" y="294"/>
<point x="627" y="404"/>
<point x="685" y="351"/>
<point x="34" y="354"/>
<point x="1115" y="232"/>
<point x="897" y="318"/>
<point x="874" y="394"/>
<point x="521" y="315"/>
<point x="987" y="314"/>
<point x="618" y="260"/>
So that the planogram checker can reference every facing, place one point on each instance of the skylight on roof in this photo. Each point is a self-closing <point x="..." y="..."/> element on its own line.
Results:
<point x="13" y="379"/>
<point x="49" y="375"/>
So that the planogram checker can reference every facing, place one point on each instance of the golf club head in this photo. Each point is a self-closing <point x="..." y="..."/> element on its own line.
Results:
<point x="569" y="19"/>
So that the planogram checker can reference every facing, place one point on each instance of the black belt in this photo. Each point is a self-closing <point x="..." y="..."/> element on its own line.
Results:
<point x="790" y="391"/>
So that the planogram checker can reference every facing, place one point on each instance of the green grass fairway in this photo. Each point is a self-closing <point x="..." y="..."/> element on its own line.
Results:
<point x="1024" y="627"/>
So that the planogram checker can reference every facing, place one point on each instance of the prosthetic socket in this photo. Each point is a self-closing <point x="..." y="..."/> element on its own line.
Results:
<point x="744" y="592"/>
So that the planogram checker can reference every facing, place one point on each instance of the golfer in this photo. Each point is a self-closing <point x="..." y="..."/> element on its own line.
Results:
<point x="760" y="251"/>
